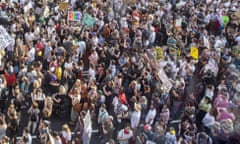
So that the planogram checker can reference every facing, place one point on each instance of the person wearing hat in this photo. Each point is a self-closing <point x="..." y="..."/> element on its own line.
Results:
<point x="171" y="136"/>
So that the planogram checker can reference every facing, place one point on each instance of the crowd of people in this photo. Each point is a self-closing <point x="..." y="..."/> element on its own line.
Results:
<point x="134" y="71"/>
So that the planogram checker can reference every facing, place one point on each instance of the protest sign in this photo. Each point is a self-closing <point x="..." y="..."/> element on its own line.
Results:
<point x="87" y="121"/>
<point x="27" y="7"/>
<point x="129" y="2"/>
<point x="160" y="73"/>
<point x="166" y="83"/>
<point x="88" y="20"/>
<point x="63" y="6"/>
<point x="159" y="53"/>
<point x="5" y="39"/>
<point x="194" y="52"/>
<point x="212" y="65"/>
<point x="74" y="16"/>
<point x="178" y="24"/>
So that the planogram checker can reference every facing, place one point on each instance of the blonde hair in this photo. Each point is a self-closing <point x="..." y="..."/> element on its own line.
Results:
<point x="36" y="84"/>
<point x="78" y="81"/>
<point x="62" y="89"/>
<point x="77" y="90"/>
<point x="66" y="128"/>
<point x="49" y="99"/>
<point x="35" y="105"/>
<point x="17" y="91"/>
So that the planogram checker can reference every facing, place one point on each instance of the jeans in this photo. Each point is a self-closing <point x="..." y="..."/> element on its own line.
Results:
<point x="33" y="125"/>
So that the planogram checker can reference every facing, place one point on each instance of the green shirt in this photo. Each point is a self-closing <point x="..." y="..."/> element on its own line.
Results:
<point x="205" y="106"/>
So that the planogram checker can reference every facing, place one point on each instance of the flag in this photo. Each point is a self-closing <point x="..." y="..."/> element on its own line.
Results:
<point x="194" y="52"/>
<point x="74" y="16"/>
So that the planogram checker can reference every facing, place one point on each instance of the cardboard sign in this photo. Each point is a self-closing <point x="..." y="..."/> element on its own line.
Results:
<point x="129" y="2"/>
<point x="88" y="20"/>
<point x="167" y="84"/>
<point x="74" y="16"/>
<point x="194" y="52"/>
<point x="63" y="6"/>
<point x="162" y="77"/>
<point x="5" y="39"/>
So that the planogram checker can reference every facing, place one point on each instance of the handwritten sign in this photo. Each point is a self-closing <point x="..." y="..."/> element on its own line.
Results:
<point x="167" y="84"/>
<point x="63" y="6"/>
<point x="129" y="2"/>
<point x="88" y="20"/>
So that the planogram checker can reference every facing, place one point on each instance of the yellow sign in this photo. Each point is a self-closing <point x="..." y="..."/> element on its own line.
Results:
<point x="63" y="6"/>
<point x="159" y="53"/>
<point x="129" y="2"/>
<point x="194" y="52"/>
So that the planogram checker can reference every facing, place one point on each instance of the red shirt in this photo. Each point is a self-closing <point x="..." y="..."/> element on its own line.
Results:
<point x="122" y="98"/>
<point x="11" y="79"/>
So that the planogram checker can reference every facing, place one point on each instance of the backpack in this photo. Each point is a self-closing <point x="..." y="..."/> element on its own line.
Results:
<point x="33" y="117"/>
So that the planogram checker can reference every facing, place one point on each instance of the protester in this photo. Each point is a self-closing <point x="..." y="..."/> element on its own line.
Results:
<point x="124" y="135"/>
<point x="34" y="117"/>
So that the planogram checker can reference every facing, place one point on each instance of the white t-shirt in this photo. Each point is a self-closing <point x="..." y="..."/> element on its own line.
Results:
<point x="68" y="65"/>
<point x="150" y="116"/>
<point x="123" y="135"/>
<point x="135" y="119"/>
<point x="208" y="120"/>
<point x="31" y="54"/>
<point x="67" y="136"/>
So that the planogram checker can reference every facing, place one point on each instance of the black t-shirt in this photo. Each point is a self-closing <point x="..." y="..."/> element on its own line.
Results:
<point x="109" y="98"/>
<point x="17" y="104"/>
<point x="61" y="97"/>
